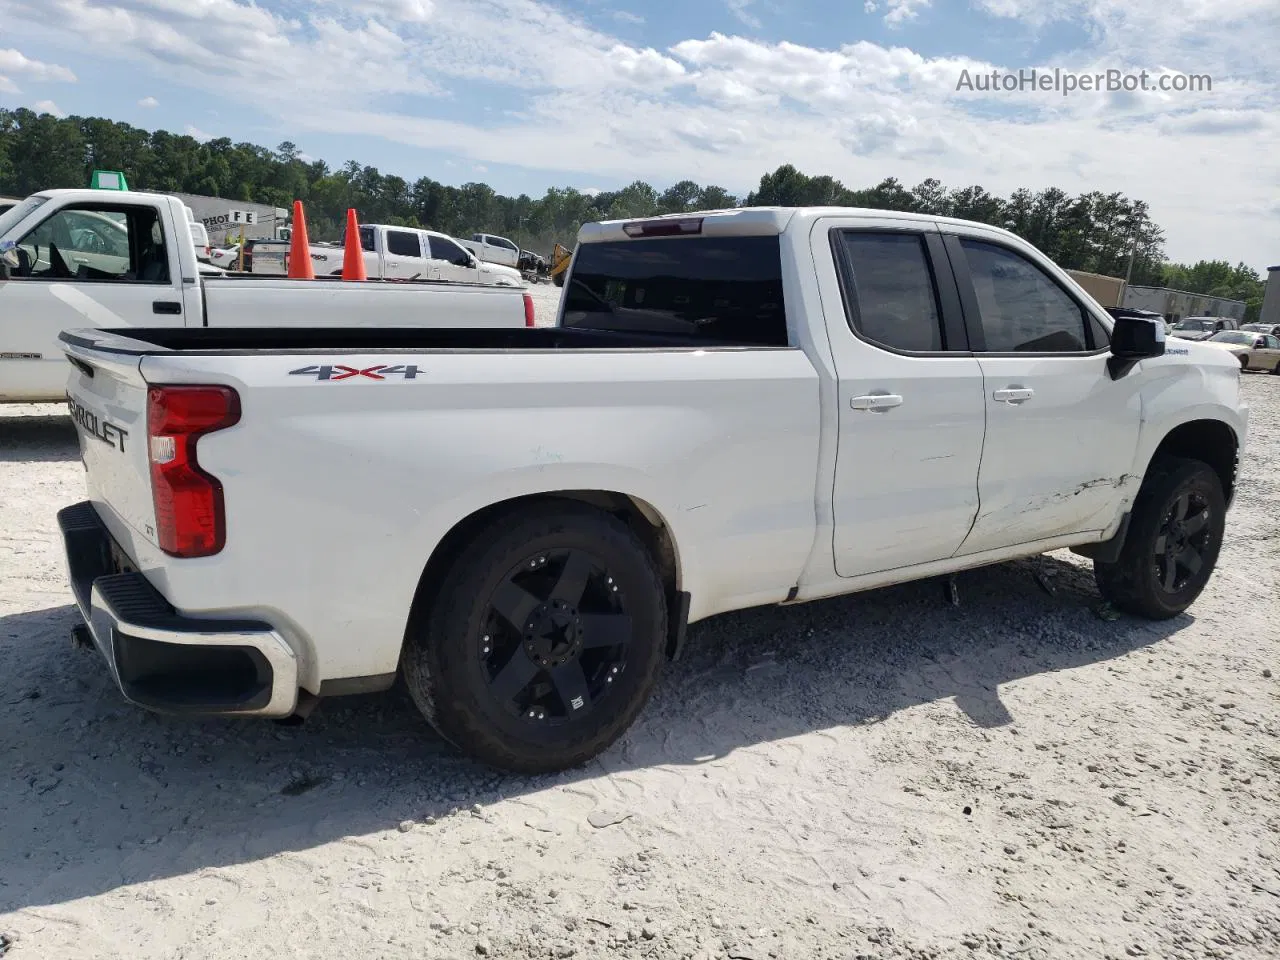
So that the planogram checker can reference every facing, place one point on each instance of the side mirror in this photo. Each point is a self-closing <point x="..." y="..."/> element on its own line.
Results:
<point x="1133" y="339"/>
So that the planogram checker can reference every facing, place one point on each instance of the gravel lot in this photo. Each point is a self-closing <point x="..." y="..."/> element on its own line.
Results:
<point x="876" y="776"/>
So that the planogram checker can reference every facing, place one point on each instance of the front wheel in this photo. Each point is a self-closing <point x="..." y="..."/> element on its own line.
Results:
<point x="544" y="641"/>
<point x="1170" y="551"/>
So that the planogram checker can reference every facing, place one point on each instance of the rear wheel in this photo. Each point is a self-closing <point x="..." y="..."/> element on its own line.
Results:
<point x="544" y="642"/>
<point x="1175" y="535"/>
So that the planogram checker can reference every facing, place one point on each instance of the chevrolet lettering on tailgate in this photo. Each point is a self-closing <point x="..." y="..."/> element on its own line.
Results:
<point x="98" y="427"/>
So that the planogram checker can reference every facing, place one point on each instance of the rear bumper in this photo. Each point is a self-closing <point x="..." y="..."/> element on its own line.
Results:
<point x="165" y="661"/>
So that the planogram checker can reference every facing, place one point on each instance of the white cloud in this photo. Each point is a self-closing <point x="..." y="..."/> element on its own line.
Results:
<point x="900" y="11"/>
<point x="149" y="103"/>
<point x="8" y="86"/>
<point x="191" y="130"/>
<point x="626" y="16"/>
<point x="724" y="109"/>
<point x="14" y="63"/>
<point x="48" y="106"/>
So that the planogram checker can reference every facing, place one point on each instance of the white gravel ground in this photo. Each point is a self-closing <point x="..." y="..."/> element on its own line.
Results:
<point x="877" y="776"/>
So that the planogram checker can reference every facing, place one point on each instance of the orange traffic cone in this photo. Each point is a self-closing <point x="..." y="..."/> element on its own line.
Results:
<point x="353" y="255"/>
<point x="299" y="247"/>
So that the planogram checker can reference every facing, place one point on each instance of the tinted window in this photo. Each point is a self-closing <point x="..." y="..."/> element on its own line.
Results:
<point x="1022" y="308"/>
<point x="502" y="242"/>
<point x="892" y="290"/>
<point x="91" y="242"/>
<point x="718" y="288"/>
<point x="403" y="244"/>
<point x="442" y="248"/>
<point x="1272" y="343"/>
<point x="366" y="238"/>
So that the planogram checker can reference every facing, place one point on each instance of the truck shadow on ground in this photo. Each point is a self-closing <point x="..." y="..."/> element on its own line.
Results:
<point x="38" y="439"/>
<point x="99" y="794"/>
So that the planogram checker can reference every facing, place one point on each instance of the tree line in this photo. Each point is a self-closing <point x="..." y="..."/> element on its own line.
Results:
<point x="1095" y="231"/>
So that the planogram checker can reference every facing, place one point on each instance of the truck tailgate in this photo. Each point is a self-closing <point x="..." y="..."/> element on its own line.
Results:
<point x="107" y="399"/>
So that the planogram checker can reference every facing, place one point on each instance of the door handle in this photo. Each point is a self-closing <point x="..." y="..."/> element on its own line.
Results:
<point x="166" y="306"/>
<point x="875" y="401"/>
<point x="1013" y="394"/>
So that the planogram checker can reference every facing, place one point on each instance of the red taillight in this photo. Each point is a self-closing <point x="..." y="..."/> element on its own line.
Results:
<point x="190" y="519"/>
<point x="528" y="310"/>
<point x="675" y="227"/>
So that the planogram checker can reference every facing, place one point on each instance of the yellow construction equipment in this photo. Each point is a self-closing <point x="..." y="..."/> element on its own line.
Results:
<point x="560" y="258"/>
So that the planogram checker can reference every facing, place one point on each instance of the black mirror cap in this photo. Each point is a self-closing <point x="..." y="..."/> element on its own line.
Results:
<point x="1137" y="338"/>
<point x="1134" y="339"/>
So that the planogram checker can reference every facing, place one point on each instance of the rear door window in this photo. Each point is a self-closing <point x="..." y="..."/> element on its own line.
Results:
<point x="715" y="288"/>
<point x="893" y="288"/>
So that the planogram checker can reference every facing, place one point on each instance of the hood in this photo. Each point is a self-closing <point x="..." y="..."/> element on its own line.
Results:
<point x="499" y="270"/>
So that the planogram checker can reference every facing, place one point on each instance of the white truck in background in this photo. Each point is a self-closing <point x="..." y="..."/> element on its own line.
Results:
<point x="393" y="253"/>
<point x="494" y="249"/>
<point x="97" y="258"/>
<point x="738" y="408"/>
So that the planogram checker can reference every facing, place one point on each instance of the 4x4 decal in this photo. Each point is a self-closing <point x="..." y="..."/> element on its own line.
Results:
<point x="338" y="371"/>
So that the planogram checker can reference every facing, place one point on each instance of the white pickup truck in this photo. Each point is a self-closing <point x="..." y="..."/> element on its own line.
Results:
<point x="94" y="258"/>
<point x="761" y="406"/>
<point x="394" y="253"/>
<point x="493" y="249"/>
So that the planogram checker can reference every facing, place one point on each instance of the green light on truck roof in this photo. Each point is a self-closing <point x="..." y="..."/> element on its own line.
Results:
<point x="108" y="180"/>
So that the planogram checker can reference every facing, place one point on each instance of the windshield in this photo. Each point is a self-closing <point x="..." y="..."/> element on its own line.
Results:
<point x="1233" y="336"/>
<point x="17" y="214"/>
<point x="1194" y="325"/>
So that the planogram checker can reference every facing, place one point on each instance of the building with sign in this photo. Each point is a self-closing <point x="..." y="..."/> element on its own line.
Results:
<point x="224" y="219"/>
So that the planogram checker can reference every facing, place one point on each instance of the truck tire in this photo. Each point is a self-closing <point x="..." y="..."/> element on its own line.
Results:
<point x="1175" y="534"/>
<point x="544" y="641"/>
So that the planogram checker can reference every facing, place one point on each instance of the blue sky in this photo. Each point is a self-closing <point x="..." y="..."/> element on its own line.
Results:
<point x="526" y="94"/>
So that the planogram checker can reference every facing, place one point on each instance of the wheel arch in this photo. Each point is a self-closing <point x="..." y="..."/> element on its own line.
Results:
<point x="640" y="516"/>
<point x="1206" y="439"/>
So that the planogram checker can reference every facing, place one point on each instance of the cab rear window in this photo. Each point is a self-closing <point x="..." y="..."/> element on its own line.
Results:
<point x="713" y="288"/>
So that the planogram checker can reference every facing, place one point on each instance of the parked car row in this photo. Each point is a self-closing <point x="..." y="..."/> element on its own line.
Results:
<point x="1255" y="351"/>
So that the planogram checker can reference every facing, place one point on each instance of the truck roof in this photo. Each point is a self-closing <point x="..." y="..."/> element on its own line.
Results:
<point x="761" y="221"/>
<point x="86" y="193"/>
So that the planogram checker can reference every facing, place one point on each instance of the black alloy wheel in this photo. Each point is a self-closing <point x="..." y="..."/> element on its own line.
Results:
<point x="543" y="638"/>
<point x="1183" y="543"/>
<point x="1172" y="544"/>
<point x="555" y="638"/>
